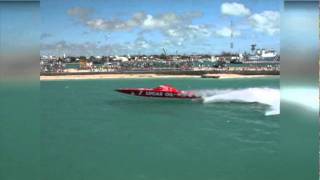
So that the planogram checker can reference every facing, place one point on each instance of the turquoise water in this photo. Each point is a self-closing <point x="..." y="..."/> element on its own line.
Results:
<point x="89" y="131"/>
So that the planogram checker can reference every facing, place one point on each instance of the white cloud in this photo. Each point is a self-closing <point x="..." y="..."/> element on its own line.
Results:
<point x="98" y="48"/>
<point x="141" y="43"/>
<point x="169" y="20"/>
<point x="267" y="22"/>
<point x="187" y="33"/>
<point x="226" y="32"/>
<point x="76" y="49"/>
<point x="138" y="20"/>
<point x="164" y="21"/>
<point x="234" y="9"/>
<point x="102" y="24"/>
<point x="178" y="27"/>
<point x="111" y="25"/>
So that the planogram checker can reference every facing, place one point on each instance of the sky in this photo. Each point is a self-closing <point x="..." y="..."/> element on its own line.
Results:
<point x="127" y="27"/>
<point x="19" y="27"/>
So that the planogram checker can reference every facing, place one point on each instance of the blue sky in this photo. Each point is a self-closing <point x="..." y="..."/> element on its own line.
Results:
<point x="19" y="27"/>
<point x="110" y="27"/>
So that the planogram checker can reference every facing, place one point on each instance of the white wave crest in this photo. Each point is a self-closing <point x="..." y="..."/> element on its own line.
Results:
<point x="267" y="96"/>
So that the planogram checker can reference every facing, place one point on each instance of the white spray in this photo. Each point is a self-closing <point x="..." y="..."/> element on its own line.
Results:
<point x="267" y="96"/>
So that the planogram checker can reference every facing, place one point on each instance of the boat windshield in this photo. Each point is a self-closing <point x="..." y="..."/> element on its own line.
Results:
<point x="165" y="88"/>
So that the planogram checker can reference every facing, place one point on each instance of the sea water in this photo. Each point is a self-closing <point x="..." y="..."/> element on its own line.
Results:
<point x="89" y="131"/>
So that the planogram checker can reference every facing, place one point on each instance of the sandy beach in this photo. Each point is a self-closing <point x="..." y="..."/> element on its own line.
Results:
<point x="128" y="76"/>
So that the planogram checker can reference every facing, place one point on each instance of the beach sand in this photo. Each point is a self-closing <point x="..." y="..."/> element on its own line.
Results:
<point x="128" y="76"/>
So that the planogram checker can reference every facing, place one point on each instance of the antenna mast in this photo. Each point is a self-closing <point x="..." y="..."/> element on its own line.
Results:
<point x="231" y="35"/>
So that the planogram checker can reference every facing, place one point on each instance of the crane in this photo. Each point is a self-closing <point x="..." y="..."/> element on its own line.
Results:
<point x="164" y="51"/>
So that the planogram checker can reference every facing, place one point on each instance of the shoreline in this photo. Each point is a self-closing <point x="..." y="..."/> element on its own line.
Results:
<point x="141" y="76"/>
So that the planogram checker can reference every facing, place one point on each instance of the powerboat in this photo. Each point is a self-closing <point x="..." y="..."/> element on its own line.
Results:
<point x="163" y="91"/>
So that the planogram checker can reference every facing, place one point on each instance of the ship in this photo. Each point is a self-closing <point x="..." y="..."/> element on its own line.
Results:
<point x="163" y="91"/>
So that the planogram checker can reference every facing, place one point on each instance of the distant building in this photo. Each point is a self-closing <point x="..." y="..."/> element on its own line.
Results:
<point x="122" y="59"/>
<point x="84" y="64"/>
<point x="213" y="59"/>
<point x="228" y="57"/>
<point x="263" y="55"/>
<point x="267" y="53"/>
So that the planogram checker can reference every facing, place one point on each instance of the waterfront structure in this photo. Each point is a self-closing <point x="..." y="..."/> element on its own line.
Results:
<point x="258" y="59"/>
<point x="263" y="55"/>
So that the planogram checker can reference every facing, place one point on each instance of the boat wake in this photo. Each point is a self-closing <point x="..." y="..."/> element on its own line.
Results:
<point x="267" y="96"/>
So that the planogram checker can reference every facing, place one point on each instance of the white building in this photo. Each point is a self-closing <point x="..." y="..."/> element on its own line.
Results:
<point x="122" y="59"/>
<point x="266" y="53"/>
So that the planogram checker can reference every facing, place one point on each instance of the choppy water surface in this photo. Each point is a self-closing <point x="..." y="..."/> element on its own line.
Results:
<point x="89" y="131"/>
